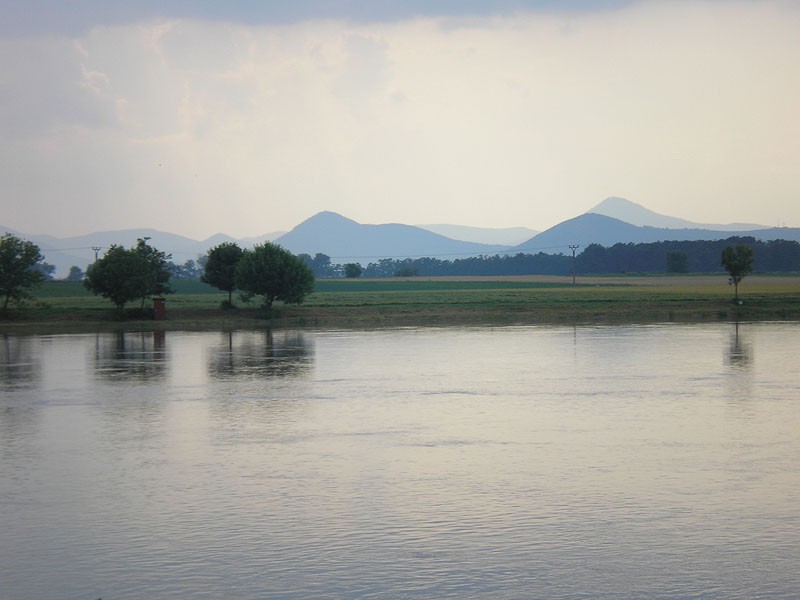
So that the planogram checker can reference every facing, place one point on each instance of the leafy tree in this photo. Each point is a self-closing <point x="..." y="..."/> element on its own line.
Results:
<point x="594" y="259"/>
<point x="353" y="270"/>
<point x="677" y="262"/>
<point x="738" y="262"/>
<point x="75" y="274"/>
<point x="270" y="271"/>
<point x="320" y="264"/>
<point x="124" y="275"/>
<point x="45" y="269"/>
<point x="220" y="267"/>
<point x="158" y="262"/>
<point x="188" y="270"/>
<point x="18" y="273"/>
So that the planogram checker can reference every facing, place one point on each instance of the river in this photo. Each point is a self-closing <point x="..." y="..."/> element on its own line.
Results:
<point x="510" y="462"/>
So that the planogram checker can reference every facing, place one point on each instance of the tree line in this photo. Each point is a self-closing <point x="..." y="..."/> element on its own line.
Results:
<point x="658" y="257"/>
<point x="126" y="275"/>
<point x="275" y="274"/>
<point x="775" y="256"/>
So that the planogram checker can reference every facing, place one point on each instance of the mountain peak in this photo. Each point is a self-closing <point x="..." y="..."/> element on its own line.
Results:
<point x="636" y="214"/>
<point x="327" y="217"/>
<point x="346" y="240"/>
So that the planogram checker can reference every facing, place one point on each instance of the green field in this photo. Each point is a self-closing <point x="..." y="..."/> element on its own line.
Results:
<point x="61" y="306"/>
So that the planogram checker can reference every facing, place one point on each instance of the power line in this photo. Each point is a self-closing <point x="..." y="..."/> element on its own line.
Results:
<point x="514" y="250"/>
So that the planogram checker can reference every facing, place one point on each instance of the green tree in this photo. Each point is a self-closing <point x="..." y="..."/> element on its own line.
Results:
<point x="159" y="268"/>
<point x="320" y="264"/>
<point x="124" y="275"/>
<point x="220" y="267"/>
<point x="45" y="269"/>
<point x="677" y="262"/>
<point x="738" y="262"/>
<point x="353" y="270"/>
<point x="270" y="271"/>
<point x="75" y="274"/>
<point x="18" y="273"/>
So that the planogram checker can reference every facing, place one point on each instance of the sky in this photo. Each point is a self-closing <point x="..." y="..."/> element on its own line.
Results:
<point x="243" y="118"/>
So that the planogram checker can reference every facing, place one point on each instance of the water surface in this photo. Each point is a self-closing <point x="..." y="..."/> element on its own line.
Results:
<point x="519" y="462"/>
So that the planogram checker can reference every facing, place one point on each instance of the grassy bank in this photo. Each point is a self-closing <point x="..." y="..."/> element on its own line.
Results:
<point x="62" y="306"/>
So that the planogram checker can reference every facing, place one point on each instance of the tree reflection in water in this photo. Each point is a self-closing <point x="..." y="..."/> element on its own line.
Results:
<point x="20" y="364"/>
<point x="740" y="352"/>
<point x="260" y="354"/>
<point x="137" y="356"/>
<point x="739" y="361"/>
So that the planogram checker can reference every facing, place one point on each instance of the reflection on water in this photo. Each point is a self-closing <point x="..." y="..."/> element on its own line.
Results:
<point x="19" y="365"/>
<point x="122" y="356"/>
<point x="740" y="352"/>
<point x="519" y="462"/>
<point x="739" y="359"/>
<point x="249" y="354"/>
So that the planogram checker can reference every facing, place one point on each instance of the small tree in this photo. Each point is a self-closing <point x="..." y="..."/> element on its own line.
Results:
<point x="126" y="275"/>
<point x="75" y="273"/>
<point x="738" y="262"/>
<point x="270" y="271"/>
<point x="353" y="270"/>
<point x="159" y="269"/>
<point x="18" y="272"/>
<point x="45" y="269"/>
<point x="220" y="267"/>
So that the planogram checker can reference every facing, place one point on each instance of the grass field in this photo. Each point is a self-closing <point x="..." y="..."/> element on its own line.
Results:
<point x="67" y="306"/>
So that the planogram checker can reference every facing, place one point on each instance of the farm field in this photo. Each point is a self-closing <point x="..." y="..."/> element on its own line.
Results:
<point x="415" y="301"/>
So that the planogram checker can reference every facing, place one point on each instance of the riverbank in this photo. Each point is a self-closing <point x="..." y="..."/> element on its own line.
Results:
<point x="440" y="301"/>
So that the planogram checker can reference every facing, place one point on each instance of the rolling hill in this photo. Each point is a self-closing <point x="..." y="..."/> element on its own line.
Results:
<point x="592" y="228"/>
<point x="636" y="214"/>
<point x="612" y="221"/>
<point x="345" y="240"/>
<point x="504" y="236"/>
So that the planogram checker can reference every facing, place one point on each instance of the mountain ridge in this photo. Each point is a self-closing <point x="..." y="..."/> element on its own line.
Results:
<point x="346" y="240"/>
<point x="636" y="214"/>
<point x="593" y="228"/>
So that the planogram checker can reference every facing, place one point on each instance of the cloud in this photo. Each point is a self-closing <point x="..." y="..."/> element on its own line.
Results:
<point x="44" y="86"/>
<point x="77" y="17"/>
<point x="521" y="119"/>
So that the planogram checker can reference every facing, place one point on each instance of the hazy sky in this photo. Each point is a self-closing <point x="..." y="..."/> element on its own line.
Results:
<point x="245" y="118"/>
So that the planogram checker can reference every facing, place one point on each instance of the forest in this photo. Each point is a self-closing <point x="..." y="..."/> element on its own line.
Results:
<point x="776" y="256"/>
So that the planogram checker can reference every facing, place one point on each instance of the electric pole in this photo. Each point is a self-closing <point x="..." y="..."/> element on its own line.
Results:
<point x="573" y="247"/>
<point x="96" y="250"/>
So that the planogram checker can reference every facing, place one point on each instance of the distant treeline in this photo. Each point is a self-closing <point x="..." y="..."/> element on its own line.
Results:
<point x="657" y="257"/>
<point x="700" y="256"/>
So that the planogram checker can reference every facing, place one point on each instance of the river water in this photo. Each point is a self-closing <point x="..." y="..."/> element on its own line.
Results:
<point x="516" y="462"/>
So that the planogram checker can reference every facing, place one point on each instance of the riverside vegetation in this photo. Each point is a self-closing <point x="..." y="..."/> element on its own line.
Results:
<point x="68" y="306"/>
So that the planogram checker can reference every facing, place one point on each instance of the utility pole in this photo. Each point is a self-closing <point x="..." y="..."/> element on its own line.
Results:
<point x="573" y="247"/>
<point x="96" y="250"/>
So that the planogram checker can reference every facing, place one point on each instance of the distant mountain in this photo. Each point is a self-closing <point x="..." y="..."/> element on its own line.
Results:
<point x="592" y="228"/>
<point x="506" y="236"/>
<point x="636" y="214"/>
<point x="345" y="240"/>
